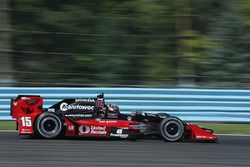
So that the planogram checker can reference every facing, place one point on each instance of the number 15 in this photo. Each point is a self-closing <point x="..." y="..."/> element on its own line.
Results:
<point x="26" y="121"/>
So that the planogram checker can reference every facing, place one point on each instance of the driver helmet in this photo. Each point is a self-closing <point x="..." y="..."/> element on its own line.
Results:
<point x="113" y="108"/>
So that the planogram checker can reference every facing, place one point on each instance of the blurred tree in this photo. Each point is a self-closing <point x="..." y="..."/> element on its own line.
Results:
<point x="110" y="41"/>
<point x="228" y="55"/>
<point x="6" y="71"/>
<point x="183" y="33"/>
<point x="128" y="42"/>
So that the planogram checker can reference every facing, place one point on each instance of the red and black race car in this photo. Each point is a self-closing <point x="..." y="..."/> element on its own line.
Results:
<point x="92" y="117"/>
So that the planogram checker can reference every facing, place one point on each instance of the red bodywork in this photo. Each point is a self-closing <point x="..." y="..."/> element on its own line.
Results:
<point x="97" y="127"/>
<point x="197" y="133"/>
<point x="26" y="109"/>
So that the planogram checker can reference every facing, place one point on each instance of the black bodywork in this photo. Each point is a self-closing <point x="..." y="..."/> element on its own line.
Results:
<point x="91" y="108"/>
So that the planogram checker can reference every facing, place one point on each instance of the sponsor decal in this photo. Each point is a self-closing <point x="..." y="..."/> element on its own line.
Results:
<point x="107" y="121"/>
<point x="85" y="100"/>
<point x="51" y="109"/>
<point x="119" y="134"/>
<point x="119" y="131"/>
<point x="65" y="106"/>
<point x="95" y="130"/>
<point x="84" y="129"/>
<point x="71" y="127"/>
<point x="25" y="98"/>
<point x="100" y="130"/>
<point x="129" y="118"/>
<point x="27" y="131"/>
<point x="15" y="103"/>
<point x="79" y="115"/>
<point x="201" y="137"/>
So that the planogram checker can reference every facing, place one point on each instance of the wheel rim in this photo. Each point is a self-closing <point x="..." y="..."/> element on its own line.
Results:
<point x="49" y="127"/>
<point x="172" y="130"/>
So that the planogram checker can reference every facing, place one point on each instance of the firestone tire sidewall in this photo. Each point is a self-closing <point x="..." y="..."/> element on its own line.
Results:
<point x="165" y="123"/>
<point x="41" y="122"/>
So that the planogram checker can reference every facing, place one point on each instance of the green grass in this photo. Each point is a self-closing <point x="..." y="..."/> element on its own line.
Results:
<point x="218" y="128"/>
<point x="227" y="128"/>
<point x="7" y="125"/>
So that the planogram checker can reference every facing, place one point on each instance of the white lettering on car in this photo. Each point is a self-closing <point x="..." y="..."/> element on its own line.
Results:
<point x="100" y="130"/>
<point x="65" y="106"/>
<point x="95" y="130"/>
<point x="85" y="100"/>
<point x="79" y="115"/>
<point x="119" y="134"/>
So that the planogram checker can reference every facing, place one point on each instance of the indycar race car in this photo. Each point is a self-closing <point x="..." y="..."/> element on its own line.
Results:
<point x="93" y="118"/>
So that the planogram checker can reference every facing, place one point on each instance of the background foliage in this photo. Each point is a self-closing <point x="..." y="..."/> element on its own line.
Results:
<point x="157" y="43"/>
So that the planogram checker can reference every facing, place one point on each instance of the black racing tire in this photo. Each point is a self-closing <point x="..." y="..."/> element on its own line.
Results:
<point x="172" y="129"/>
<point x="49" y="126"/>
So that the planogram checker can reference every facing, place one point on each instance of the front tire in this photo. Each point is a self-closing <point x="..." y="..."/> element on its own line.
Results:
<point x="171" y="129"/>
<point x="49" y="126"/>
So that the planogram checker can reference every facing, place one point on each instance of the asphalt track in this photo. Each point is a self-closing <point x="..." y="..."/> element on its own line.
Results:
<point x="231" y="151"/>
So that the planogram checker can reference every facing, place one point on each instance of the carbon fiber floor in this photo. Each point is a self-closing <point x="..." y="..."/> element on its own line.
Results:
<point x="229" y="152"/>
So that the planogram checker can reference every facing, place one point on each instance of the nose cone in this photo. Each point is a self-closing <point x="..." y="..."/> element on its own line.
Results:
<point x="214" y="138"/>
<point x="201" y="134"/>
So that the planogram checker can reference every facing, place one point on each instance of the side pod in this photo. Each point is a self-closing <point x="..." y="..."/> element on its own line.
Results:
<point x="199" y="134"/>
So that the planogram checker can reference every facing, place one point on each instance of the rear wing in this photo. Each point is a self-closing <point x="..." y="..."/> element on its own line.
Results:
<point x="25" y="109"/>
<point x="25" y="105"/>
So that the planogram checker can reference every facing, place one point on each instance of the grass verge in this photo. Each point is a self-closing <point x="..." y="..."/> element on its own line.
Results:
<point x="7" y="125"/>
<point x="218" y="128"/>
<point x="227" y="128"/>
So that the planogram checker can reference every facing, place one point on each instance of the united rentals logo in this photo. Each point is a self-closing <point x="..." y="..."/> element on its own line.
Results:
<point x="99" y="130"/>
<point x="65" y="106"/>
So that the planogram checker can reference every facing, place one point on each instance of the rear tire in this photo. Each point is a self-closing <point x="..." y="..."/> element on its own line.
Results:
<point x="49" y="126"/>
<point x="171" y="129"/>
